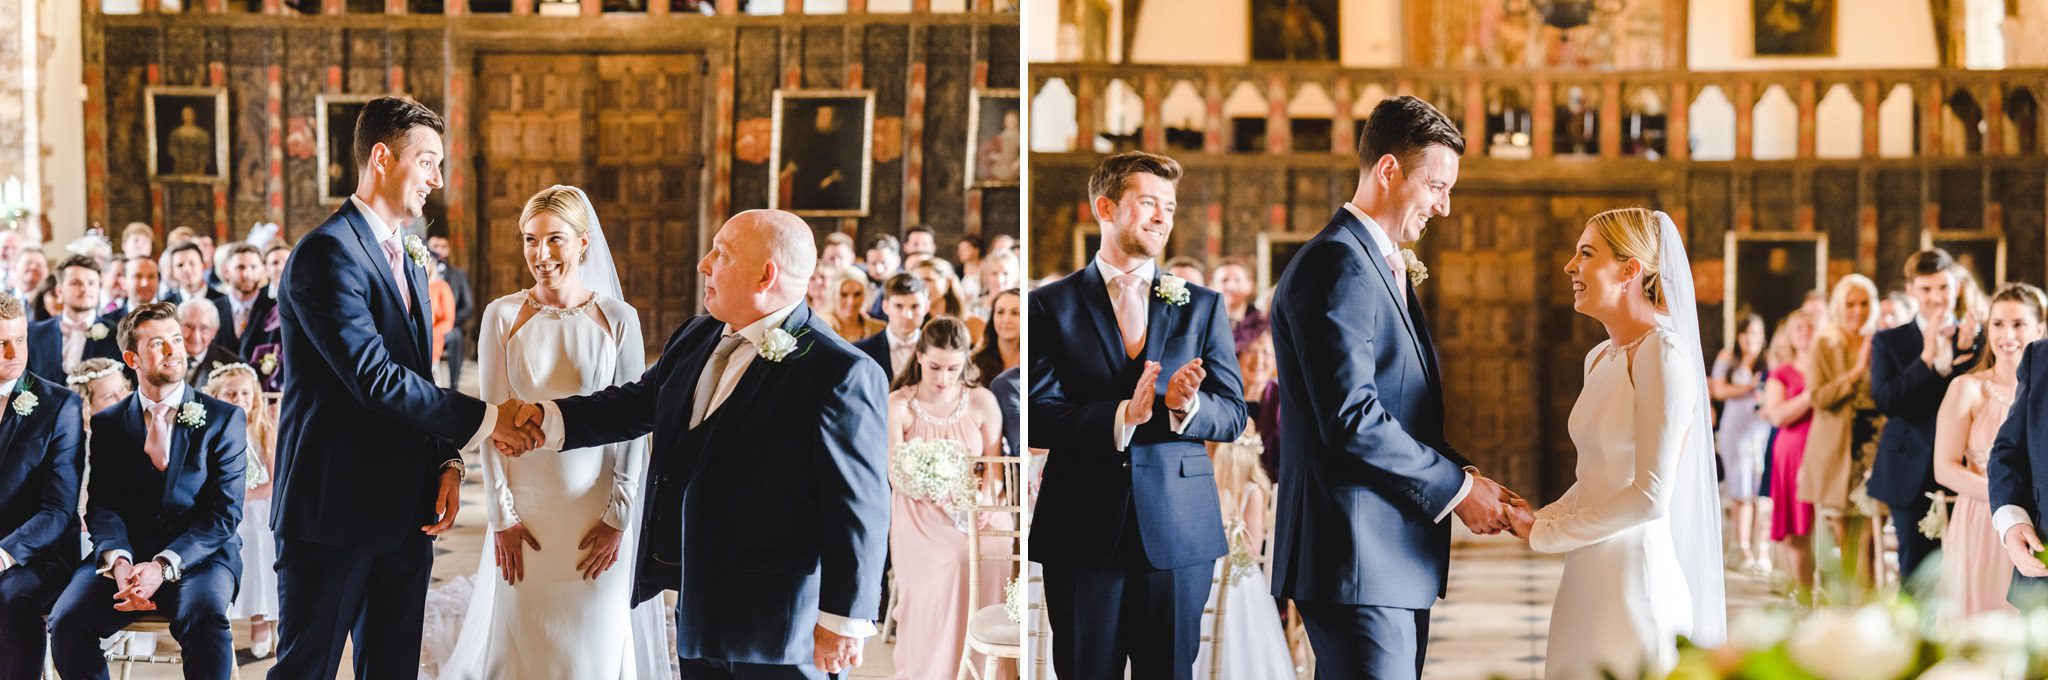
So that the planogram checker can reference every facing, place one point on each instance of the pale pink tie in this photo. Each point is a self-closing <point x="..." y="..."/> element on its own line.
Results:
<point x="1400" y="267"/>
<point x="396" y="254"/>
<point x="1130" y="313"/>
<point x="158" y="442"/>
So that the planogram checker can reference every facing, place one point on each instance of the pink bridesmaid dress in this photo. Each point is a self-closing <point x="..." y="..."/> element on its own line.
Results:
<point x="929" y="555"/>
<point x="1974" y="569"/>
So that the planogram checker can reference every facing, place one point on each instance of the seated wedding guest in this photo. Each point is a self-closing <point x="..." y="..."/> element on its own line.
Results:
<point x="58" y="344"/>
<point x="884" y="258"/>
<point x="1010" y="396"/>
<point x="818" y="292"/>
<point x="1737" y="382"/>
<point x="936" y="403"/>
<point x="1187" y="268"/>
<point x="944" y="288"/>
<point x="848" y="315"/>
<point x="1898" y="310"/>
<point x="188" y="275"/>
<point x="199" y="323"/>
<point x="1816" y="308"/>
<point x="1253" y="644"/>
<point x="907" y="301"/>
<point x="101" y="383"/>
<point x="968" y="255"/>
<point x="113" y="292"/>
<point x="1975" y="572"/>
<point x="1233" y="278"/>
<point x="45" y="302"/>
<point x="1788" y="406"/>
<point x="998" y="274"/>
<point x="1841" y="439"/>
<point x="167" y="488"/>
<point x="920" y="240"/>
<point x="274" y="258"/>
<point x="40" y="468"/>
<point x="30" y="269"/>
<point x="138" y="240"/>
<point x="243" y="305"/>
<point x="1910" y="369"/>
<point x="1255" y="362"/>
<point x="137" y="273"/>
<point x="1001" y="338"/>
<point x="838" y="250"/>
<point x="256" y="599"/>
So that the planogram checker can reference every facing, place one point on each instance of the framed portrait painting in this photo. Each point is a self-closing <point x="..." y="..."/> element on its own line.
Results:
<point x="820" y="162"/>
<point x="336" y="127"/>
<point x="995" y="141"/>
<point x="1982" y="252"/>
<point x="1770" y="274"/>
<point x="1275" y="251"/>
<point x="188" y="133"/>
<point x="1794" y="28"/>
<point x="1087" y="239"/>
<point x="1294" y="30"/>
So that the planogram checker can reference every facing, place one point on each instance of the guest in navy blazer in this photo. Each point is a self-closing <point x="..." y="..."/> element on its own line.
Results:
<point x="241" y="332"/>
<point x="2018" y="472"/>
<point x="906" y="300"/>
<point x="1910" y="370"/>
<point x="57" y="344"/>
<point x="1131" y="371"/>
<point x="163" y="505"/>
<point x="367" y="445"/>
<point x="768" y="498"/>
<point x="40" y="433"/>
<point x="137" y="273"/>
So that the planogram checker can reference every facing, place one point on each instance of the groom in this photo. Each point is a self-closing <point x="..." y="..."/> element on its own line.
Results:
<point x="2018" y="484"/>
<point x="1366" y="478"/>
<point x="367" y="462"/>
<point x="768" y="499"/>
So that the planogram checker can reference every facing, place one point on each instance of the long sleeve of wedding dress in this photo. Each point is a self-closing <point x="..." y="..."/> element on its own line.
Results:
<point x="494" y="383"/>
<point x="629" y="458"/>
<point x="1663" y="402"/>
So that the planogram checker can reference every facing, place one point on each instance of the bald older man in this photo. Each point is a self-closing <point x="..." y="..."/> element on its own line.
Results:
<point x="768" y="500"/>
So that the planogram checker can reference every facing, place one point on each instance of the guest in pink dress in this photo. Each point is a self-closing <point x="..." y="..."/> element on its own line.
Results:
<point x="1788" y="406"/>
<point x="1975" y="571"/>
<point x="933" y="400"/>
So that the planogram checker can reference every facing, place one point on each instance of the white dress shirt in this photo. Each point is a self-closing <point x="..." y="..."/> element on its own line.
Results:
<point x="240" y="309"/>
<point x="74" y="341"/>
<point x="383" y="233"/>
<point x="173" y="395"/>
<point x="901" y="351"/>
<point x="1176" y="422"/>
<point x="1386" y="248"/>
<point x="735" y="368"/>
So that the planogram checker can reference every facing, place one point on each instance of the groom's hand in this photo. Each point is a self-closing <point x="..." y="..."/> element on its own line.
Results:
<point x="834" y="653"/>
<point x="1483" y="511"/>
<point x="1184" y="385"/>
<point x="2021" y="546"/>
<point x="518" y="430"/>
<point x="1140" y="409"/>
<point x="447" y="500"/>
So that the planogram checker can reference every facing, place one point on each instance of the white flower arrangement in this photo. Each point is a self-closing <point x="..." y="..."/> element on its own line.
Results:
<point x="1935" y="522"/>
<point x="1013" y="601"/>
<point x="268" y="365"/>
<point x="1417" y="272"/>
<point x="97" y="332"/>
<point x="192" y="414"/>
<point x="25" y="403"/>
<point x="935" y="471"/>
<point x="83" y="378"/>
<point x="1172" y="289"/>
<point x="417" y="250"/>
<point x="776" y="345"/>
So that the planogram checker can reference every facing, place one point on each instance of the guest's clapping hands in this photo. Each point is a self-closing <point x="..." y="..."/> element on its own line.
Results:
<point x="511" y="551"/>
<point x="1140" y="409"/>
<point x="518" y="428"/>
<point x="1185" y="384"/>
<point x="2023" y="547"/>
<point x="602" y="542"/>
<point x="834" y="653"/>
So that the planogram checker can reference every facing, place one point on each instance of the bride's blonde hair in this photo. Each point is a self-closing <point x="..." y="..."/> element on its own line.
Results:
<point x="1634" y="233"/>
<point x="566" y="204"/>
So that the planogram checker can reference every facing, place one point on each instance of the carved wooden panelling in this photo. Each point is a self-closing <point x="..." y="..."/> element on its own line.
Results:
<point x="1900" y="215"/>
<point x="2020" y="194"/>
<point x="1776" y="201"/>
<point x="1960" y="193"/>
<point x="757" y="72"/>
<point x="1836" y="210"/>
<point x="949" y="69"/>
<point x="886" y="71"/>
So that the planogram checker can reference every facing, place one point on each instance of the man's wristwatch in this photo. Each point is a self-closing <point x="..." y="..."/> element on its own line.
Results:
<point x="461" y="470"/>
<point x="171" y="571"/>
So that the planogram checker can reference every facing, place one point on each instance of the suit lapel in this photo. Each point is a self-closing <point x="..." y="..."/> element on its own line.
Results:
<point x="174" y="460"/>
<point x="1428" y="345"/>
<point x="1095" y="299"/>
<point x="758" y="372"/>
<point x="1156" y="330"/>
<point x="697" y="354"/>
<point x="422" y="316"/>
<point x="371" y="256"/>
<point x="10" y="421"/>
<point x="1379" y="264"/>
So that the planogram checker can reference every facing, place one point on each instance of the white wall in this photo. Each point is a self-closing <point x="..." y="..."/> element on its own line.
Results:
<point x="63" y="119"/>
<point x="1041" y="31"/>
<point x="1868" y="34"/>
<point x="1215" y="32"/>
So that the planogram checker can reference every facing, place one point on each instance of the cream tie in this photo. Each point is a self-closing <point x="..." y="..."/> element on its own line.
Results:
<point x="714" y="372"/>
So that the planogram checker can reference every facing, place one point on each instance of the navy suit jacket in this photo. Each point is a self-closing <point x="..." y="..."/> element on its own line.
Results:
<point x="2019" y="459"/>
<point x="363" y="430"/>
<point x="1364" y="469"/>
<point x="40" y="469"/>
<point x="192" y="508"/>
<point x="877" y="348"/>
<point x="782" y="512"/>
<point x="46" y="347"/>
<point x="1909" y="394"/>
<point x="1079" y="375"/>
<point x="244" y="344"/>
<point x="1008" y="395"/>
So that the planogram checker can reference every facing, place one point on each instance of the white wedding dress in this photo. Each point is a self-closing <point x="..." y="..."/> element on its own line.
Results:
<point x="1254" y="647"/>
<point x="555" y="624"/>
<point x="1627" y="525"/>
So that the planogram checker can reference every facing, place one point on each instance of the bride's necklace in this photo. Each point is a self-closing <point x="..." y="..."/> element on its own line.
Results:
<point x="959" y="411"/>
<point x="1617" y="351"/>
<point x="559" y="312"/>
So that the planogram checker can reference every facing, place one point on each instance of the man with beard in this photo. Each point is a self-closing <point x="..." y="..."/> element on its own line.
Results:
<point x="244" y="308"/>
<point x="57" y="345"/>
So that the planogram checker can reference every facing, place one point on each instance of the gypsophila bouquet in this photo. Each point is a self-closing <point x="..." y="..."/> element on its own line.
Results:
<point x="1013" y="601"/>
<point x="935" y="471"/>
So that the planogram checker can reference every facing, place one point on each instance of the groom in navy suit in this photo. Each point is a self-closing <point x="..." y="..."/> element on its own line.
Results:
<point x="367" y="445"/>
<point x="2018" y="472"/>
<point x="163" y="506"/>
<point x="1367" y="481"/>
<point x="40" y="467"/>
<point x="1127" y="524"/>
<point x="768" y="498"/>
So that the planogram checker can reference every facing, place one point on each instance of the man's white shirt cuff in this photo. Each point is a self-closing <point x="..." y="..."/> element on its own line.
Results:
<point x="107" y="560"/>
<point x="6" y="561"/>
<point x="551" y="426"/>
<point x="483" y="432"/>
<point x="1179" y="423"/>
<point x="2007" y="517"/>
<point x="845" y="627"/>
<point x="1463" y="491"/>
<point x="1123" y="432"/>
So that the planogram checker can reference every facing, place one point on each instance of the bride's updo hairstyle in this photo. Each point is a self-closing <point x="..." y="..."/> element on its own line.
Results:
<point x="1634" y="233"/>
<point x="941" y="334"/>
<point x="567" y="205"/>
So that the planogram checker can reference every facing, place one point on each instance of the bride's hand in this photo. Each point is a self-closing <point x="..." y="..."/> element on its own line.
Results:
<point x="511" y="564"/>
<point x="1520" y="519"/>
<point x="603" y="543"/>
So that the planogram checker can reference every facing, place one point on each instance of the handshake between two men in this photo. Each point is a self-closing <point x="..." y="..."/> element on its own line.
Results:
<point x="518" y="429"/>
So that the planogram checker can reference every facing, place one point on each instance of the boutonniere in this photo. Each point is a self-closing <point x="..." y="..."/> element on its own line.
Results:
<point x="192" y="414"/>
<point x="1417" y="272"/>
<point x="97" y="332"/>
<point x="268" y="365"/>
<point x="417" y="250"/>
<point x="776" y="345"/>
<point x="1172" y="289"/>
<point x="24" y="400"/>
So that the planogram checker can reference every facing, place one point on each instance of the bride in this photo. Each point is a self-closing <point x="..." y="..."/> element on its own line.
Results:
<point x="552" y="592"/>
<point x="1641" y="527"/>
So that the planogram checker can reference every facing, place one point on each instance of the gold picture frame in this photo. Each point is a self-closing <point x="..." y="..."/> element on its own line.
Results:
<point x="185" y="150"/>
<point x="1282" y="244"/>
<point x="838" y="199"/>
<point x="1005" y="171"/>
<point x="1792" y="264"/>
<point x="1087" y="239"/>
<point x="1970" y="249"/>
<point x="337" y="175"/>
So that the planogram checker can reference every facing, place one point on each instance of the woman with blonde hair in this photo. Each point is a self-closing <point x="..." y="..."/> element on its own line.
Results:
<point x="1842" y="440"/>
<point x="101" y="383"/>
<point x="1789" y="407"/>
<point x="256" y="599"/>
<point x="1975" y="571"/>
<point x="847" y="287"/>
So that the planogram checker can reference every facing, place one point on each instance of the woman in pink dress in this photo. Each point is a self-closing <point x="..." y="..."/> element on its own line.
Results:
<point x="934" y="401"/>
<point x="1787" y="405"/>
<point x="1974" y="569"/>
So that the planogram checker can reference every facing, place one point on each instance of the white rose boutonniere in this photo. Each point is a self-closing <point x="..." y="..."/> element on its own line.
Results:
<point x="97" y="332"/>
<point x="1417" y="272"/>
<point x="192" y="414"/>
<point x="417" y="250"/>
<point x="777" y="344"/>
<point x="268" y="365"/>
<point x="24" y="403"/>
<point x="1172" y="289"/>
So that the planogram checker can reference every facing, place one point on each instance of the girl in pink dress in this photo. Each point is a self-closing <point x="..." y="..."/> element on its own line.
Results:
<point x="933" y="400"/>
<point x="1974" y="569"/>
<point x="1787" y="406"/>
